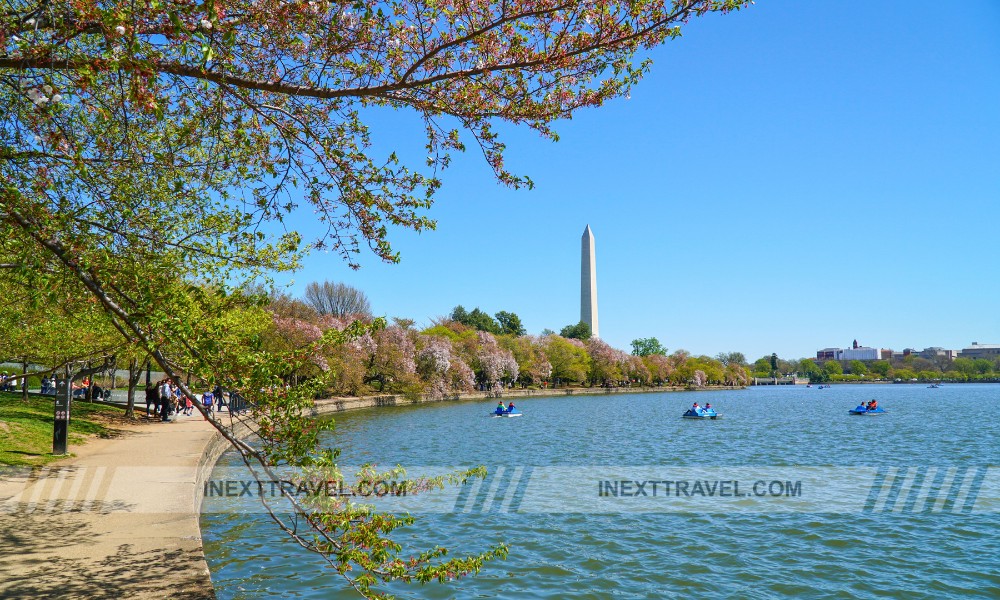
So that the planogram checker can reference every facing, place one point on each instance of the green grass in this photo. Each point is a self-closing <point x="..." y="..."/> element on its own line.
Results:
<point x="26" y="427"/>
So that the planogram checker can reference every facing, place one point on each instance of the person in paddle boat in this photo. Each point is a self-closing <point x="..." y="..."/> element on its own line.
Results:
<point x="873" y="404"/>
<point x="861" y="407"/>
<point x="510" y="407"/>
<point x="499" y="409"/>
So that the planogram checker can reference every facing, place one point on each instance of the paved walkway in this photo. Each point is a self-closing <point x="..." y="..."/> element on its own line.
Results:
<point x="119" y="520"/>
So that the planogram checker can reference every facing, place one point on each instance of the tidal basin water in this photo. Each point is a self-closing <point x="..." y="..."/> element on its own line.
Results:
<point x="902" y="505"/>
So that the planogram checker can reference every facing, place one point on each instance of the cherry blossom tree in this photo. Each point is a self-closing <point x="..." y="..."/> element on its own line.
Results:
<point x="148" y="147"/>
<point x="636" y="370"/>
<point x="298" y="333"/>
<point x="660" y="367"/>
<point x="605" y="362"/>
<point x="736" y="375"/>
<point x="393" y="360"/>
<point x="529" y="353"/>
<point x="443" y="370"/>
<point x="462" y="377"/>
<point x="253" y="100"/>
<point x="493" y="365"/>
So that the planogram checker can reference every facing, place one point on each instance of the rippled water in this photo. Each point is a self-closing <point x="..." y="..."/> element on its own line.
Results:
<point x="853" y="554"/>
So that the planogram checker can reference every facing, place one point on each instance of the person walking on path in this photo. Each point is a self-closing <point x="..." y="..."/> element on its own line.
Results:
<point x="208" y="401"/>
<point x="151" y="400"/>
<point x="165" y="400"/>
<point x="219" y="399"/>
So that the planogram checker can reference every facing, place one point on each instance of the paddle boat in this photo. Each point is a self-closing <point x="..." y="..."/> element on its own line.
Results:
<point x="513" y="412"/>
<point x="862" y="410"/>
<point x="701" y="413"/>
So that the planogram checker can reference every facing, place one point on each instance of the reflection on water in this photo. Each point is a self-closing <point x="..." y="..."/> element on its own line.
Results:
<point x="853" y="553"/>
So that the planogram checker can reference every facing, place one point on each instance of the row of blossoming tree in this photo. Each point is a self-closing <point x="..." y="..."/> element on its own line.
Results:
<point x="451" y="358"/>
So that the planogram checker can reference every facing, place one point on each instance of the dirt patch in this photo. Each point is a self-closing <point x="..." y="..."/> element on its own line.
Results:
<point x="4" y="427"/>
<point x="113" y="419"/>
<point x="115" y="422"/>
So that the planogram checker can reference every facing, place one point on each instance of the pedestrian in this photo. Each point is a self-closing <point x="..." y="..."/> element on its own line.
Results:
<point x="152" y="400"/>
<point x="165" y="400"/>
<point x="218" y="395"/>
<point x="208" y="401"/>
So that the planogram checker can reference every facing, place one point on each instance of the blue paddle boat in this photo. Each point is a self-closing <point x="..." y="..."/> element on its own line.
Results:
<point x="701" y="413"/>
<point x="507" y="413"/>
<point x="862" y="410"/>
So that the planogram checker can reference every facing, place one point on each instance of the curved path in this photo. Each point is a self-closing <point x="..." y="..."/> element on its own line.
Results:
<point x="118" y="520"/>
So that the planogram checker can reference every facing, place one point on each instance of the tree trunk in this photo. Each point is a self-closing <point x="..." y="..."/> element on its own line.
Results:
<point x="24" y="382"/>
<point x="134" y="372"/>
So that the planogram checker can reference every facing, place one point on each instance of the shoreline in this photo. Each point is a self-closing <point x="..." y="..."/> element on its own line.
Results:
<point x="122" y="518"/>
<point x="338" y="404"/>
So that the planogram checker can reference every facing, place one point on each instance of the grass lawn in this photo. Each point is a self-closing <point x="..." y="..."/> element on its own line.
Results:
<point x="26" y="427"/>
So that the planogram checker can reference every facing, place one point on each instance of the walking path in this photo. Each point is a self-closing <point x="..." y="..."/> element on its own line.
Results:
<point x="119" y="520"/>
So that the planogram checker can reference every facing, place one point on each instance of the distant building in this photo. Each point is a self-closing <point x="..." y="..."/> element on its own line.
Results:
<point x="936" y="352"/>
<point x="929" y="353"/>
<point x="827" y="354"/>
<point x="855" y="352"/>
<point x="859" y="353"/>
<point x="977" y="350"/>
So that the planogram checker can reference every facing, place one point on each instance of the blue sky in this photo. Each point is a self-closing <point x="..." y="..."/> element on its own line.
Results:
<point x="787" y="178"/>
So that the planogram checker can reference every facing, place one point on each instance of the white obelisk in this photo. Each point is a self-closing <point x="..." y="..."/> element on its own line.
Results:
<point x="588" y="282"/>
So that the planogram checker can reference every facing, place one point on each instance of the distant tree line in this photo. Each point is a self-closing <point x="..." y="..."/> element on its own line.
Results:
<point x="471" y="350"/>
<point x="907" y="368"/>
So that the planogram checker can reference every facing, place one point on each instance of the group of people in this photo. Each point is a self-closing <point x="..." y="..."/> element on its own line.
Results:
<point x="8" y="383"/>
<point x="501" y="410"/>
<point x="48" y="385"/>
<point x="165" y="399"/>
<point x="697" y="409"/>
<point x="869" y="406"/>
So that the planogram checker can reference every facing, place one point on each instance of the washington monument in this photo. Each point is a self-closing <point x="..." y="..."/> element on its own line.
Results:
<point x="588" y="282"/>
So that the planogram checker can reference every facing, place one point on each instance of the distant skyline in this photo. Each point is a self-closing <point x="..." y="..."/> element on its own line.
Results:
<point x="787" y="178"/>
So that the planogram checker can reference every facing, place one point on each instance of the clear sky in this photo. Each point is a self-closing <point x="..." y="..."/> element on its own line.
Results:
<point x="787" y="178"/>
